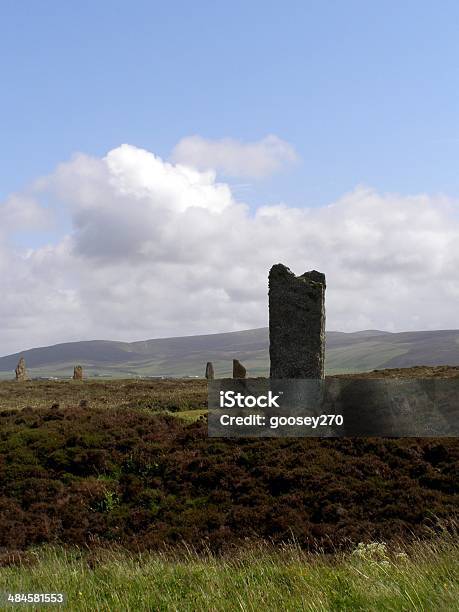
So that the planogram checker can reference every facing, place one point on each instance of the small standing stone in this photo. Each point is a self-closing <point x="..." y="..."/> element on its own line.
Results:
<point x="209" y="371"/>
<point x="296" y="323"/>
<point x="238" y="369"/>
<point x="78" y="373"/>
<point x="21" y="371"/>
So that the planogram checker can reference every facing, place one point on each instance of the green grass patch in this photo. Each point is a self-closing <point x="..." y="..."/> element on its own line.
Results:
<point x="424" y="576"/>
<point x="192" y="415"/>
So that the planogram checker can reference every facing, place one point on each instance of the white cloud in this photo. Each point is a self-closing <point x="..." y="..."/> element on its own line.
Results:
<point x="22" y="212"/>
<point x="233" y="158"/>
<point x="157" y="249"/>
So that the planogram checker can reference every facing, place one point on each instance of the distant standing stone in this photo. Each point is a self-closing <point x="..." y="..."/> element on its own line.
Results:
<point x="296" y="323"/>
<point x="209" y="371"/>
<point x="238" y="369"/>
<point x="21" y="372"/>
<point x="78" y="373"/>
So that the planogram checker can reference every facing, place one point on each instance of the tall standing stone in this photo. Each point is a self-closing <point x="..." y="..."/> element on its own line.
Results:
<point x="238" y="369"/>
<point x="21" y="371"/>
<point x="296" y="323"/>
<point x="209" y="371"/>
<point x="78" y="373"/>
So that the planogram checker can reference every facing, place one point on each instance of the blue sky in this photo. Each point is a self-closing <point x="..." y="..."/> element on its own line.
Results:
<point x="324" y="135"/>
<point x="366" y="92"/>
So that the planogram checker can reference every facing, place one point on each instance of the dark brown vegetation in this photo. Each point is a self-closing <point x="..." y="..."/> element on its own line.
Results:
<point x="114" y="471"/>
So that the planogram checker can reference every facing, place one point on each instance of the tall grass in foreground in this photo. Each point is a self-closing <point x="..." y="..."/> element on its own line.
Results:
<point x="424" y="576"/>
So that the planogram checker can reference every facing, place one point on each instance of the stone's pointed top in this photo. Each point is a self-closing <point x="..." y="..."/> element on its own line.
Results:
<point x="238" y="369"/>
<point x="209" y="371"/>
<point x="279" y="271"/>
<point x="313" y="275"/>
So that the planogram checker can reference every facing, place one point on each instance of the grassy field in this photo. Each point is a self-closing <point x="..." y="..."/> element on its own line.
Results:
<point x="172" y="395"/>
<point x="423" y="577"/>
<point x="154" y="395"/>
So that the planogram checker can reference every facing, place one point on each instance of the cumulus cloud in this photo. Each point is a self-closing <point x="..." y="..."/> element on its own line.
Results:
<point x="232" y="158"/>
<point x="158" y="249"/>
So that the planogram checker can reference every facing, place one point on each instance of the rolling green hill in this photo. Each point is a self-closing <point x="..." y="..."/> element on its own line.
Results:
<point x="187" y="356"/>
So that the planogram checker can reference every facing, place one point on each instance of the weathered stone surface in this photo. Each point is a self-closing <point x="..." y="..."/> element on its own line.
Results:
<point x="209" y="371"/>
<point x="78" y="373"/>
<point x="296" y="323"/>
<point x="238" y="369"/>
<point x="21" y="371"/>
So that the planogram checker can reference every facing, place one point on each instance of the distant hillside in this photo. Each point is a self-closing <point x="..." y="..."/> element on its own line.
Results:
<point x="345" y="352"/>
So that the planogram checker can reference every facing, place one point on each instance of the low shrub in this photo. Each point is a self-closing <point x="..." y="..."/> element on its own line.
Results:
<point x="144" y="480"/>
